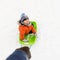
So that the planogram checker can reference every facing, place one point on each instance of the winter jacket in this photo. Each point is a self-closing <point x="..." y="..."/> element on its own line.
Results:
<point x="25" y="30"/>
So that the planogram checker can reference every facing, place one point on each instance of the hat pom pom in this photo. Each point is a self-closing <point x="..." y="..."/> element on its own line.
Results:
<point x="23" y="14"/>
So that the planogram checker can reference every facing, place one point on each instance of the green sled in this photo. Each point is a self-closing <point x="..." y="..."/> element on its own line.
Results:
<point x="30" y="37"/>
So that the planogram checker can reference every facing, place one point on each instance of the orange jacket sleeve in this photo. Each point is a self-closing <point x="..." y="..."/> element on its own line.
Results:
<point x="22" y="32"/>
<point x="33" y="30"/>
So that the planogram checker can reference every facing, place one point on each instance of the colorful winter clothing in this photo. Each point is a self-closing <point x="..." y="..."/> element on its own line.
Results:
<point x="23" y="17"/>
<point x="25" y="30"/>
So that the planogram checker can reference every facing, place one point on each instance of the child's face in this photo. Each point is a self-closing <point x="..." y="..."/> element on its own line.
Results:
<point x="26" y="22"/>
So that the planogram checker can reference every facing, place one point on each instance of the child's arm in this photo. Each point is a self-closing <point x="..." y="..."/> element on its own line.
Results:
<point x="33" y="30"/>
<point x="22" y="33"/>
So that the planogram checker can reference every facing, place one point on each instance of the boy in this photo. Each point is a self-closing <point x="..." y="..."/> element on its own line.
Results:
<point x="25" y="27"/>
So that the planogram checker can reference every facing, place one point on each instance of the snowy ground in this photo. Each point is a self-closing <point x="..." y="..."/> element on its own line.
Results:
<point x="47" y="15"/>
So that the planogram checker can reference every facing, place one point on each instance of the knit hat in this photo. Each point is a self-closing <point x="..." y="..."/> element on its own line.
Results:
<point x="23" y="17"/>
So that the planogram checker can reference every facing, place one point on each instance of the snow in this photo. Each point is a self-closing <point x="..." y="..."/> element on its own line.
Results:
<point x="47" y="15"/>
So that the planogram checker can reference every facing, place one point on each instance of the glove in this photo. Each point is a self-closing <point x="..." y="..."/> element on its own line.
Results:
<point x="35" y="34"/>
